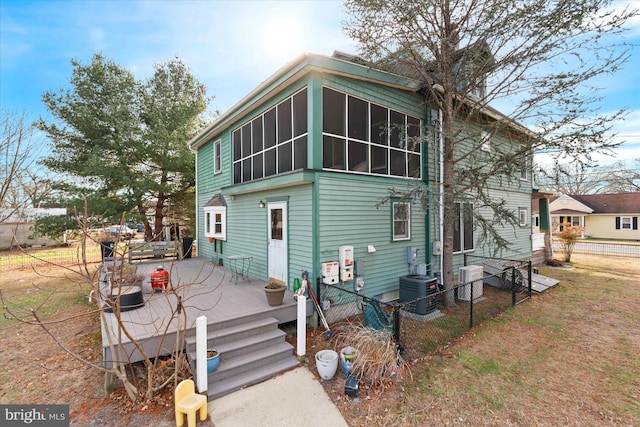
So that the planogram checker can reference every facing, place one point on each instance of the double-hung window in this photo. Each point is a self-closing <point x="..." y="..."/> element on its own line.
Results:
<point x="216" y="157"/>
<point x="401" y="221"/>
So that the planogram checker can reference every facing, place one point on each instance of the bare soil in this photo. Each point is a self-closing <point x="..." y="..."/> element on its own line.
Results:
<point x="568" y="357"/>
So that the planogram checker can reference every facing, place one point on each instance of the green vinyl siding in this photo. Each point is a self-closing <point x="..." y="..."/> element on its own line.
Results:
<point x="348" y="216"/>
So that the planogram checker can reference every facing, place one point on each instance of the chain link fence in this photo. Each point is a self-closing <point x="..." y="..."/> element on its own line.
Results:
<point x="426" y="317"/>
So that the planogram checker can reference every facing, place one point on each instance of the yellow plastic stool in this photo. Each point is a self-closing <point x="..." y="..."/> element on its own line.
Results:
<point x="188" y="402"/>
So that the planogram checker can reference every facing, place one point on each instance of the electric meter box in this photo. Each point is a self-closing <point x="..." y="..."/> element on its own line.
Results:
<point x="412" y="254"/>
<point x="345" y="256"/>
<point x="330" y="272"/>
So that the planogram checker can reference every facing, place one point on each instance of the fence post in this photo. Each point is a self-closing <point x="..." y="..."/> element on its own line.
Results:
<point x="513" y="286"/>
<point x="530" y="284"/>
<point x="396" y="327"/>
<point x="471" y="305"/>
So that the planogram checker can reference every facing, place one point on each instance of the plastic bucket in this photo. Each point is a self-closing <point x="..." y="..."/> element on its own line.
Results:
<point x="327" y="363"/>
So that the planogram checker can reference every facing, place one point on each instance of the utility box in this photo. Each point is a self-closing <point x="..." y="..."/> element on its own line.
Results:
<point x="330" y="272"/>
<point x="345" y="256"/>
<point x="470" y="277"/>
<point x="421" y="290"/>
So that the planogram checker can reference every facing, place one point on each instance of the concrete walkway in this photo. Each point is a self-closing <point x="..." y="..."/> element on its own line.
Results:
<point x="295" y="398"/>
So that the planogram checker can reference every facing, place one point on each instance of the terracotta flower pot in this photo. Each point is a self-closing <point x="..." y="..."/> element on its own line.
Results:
<point x="274" y="293"/>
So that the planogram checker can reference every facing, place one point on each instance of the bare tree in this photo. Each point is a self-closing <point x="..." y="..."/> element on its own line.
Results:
<point x="16" y="151"/>
<point x="538" y="57"/>
<point x="622" y="179"/>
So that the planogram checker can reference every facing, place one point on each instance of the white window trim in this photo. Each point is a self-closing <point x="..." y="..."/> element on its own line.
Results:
<point x="393" y="221"/>
<point x="209" y="219"/>
<point x="485" y="141"/>
<point x="523" y="217"/>
<point x="217" y="157"/>
<point x="626" y="221"/>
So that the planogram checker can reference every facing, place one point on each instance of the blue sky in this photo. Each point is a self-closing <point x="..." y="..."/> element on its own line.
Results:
<point x="230" y="46"/>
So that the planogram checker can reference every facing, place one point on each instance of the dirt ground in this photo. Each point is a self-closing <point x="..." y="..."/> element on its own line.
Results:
<point x="568" y="357"/>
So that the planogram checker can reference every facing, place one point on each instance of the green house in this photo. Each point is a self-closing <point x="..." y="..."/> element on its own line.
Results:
<point x="304" y="164"/>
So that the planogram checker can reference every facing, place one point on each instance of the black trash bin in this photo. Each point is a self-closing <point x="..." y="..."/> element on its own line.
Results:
<point x="106" y="249"/>
<point x="187" y="246"/>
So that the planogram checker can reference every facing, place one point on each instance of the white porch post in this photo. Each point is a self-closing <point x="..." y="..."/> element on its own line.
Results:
<point x="202" y="380"/>
<point x="302" y="327"/>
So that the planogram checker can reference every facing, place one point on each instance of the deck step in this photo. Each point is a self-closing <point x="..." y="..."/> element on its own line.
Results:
<point x="219" y="336"/>
<point x="244" y="379"/>
<point x="249" y="353"/>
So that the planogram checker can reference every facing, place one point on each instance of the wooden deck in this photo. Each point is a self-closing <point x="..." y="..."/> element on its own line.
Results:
<point x="204" y="289"/>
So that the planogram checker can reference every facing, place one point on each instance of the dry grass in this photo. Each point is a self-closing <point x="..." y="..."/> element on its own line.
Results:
<point x="377" y="358"/>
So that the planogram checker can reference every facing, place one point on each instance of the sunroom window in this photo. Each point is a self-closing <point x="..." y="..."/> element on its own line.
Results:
<point x="362" y="137"/>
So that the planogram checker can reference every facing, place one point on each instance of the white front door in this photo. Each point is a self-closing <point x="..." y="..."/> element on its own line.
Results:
<point x="277" y="241"/>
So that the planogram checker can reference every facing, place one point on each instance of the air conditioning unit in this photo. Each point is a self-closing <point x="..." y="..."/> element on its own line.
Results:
<point x="470" y="276"/>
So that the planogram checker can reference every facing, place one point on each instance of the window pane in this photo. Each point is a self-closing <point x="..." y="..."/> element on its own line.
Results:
<point x="207" y="222"/>
<point x="358" y="115"/>
<point x="358" y="159"/>
<point x="237" y="172"/>
<point x="414" y="165"/>
<point x="300" y="153"/>
<point x="270" y="128"/>
<point x="257" y="166"/>
<point x="284" y="120"/>
<point x="237" y="141"/>
<point x="413" y="132"/>
<point x="246" y="140"/>
<point x="276" y="224"/>
<point x="270" y="162"/>
<point x="468" y="226"/>
<point x="333" y="152"/>
<point x="398" y="163"/>
<point x="300" y="113"/>
<point x="333" y="114"/>
<point x="284" y="157"/>
<point x="397" y="130"/>
<point x="379" y="124"/>
<point x="256" y="127"/>
<point x="379" y="160"/>
<point x="246" y="170"/>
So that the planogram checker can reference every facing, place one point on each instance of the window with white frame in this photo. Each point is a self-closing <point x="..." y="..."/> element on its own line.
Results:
<point x="485" y="141"/>
<point x="626" y="223"/>
<point x="463" y="227"/>
<point x="401" y="221"/>
<point x="216" y="157"/>
<point x="215" y="222"/>
<point x="523" y="217"/>
<point x="523" y="164"/>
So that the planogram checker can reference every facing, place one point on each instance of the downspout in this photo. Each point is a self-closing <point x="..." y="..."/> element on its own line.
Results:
<point x="427" y="216"/>
<point x="441" y="185"/>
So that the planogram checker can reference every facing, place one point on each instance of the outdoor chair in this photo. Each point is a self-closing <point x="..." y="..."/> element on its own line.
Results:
<point x="375" y="317"/>
<point x="188" y="402"/>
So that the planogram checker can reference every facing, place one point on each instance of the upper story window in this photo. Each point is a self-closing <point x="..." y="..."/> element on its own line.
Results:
<point x="362" y="137"/>
<point x="523" y="166"/>
<point x="216" y="157"/>
<point x="523" y="217"/>
<point x="275" y="142"/>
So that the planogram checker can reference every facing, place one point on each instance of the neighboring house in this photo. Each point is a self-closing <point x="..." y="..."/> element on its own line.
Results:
<point x="297" y="169"/>
<point x="16" y="226"/>
<point x="602" y="216"/>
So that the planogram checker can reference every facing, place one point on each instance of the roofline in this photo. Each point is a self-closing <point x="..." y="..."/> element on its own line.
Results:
<point x="294" y="70"/>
